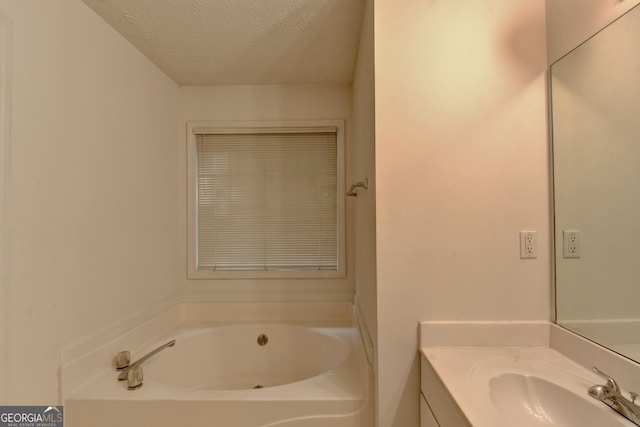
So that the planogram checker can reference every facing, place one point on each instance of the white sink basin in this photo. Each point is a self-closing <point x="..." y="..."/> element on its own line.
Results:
<point x="504" y="374"/>
<point x="532" y="401"/>
<point x="526" y="392"/>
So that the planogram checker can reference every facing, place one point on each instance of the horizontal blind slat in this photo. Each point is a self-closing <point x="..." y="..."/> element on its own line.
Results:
<point x="267" y="200"/>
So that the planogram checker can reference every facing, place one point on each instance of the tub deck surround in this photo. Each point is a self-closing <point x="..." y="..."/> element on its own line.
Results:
<point x="339" y="382"/>
<point x="329" y="385"/>
<point x="85" y="360"/>
<point x="338" y="397"/>
<point x="460" y="359"/>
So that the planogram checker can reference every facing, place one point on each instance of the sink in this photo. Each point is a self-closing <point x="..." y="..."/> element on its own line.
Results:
<point x="528" y="400"/>
<point x="526" y="391"/>
<point x="503" y="374"/>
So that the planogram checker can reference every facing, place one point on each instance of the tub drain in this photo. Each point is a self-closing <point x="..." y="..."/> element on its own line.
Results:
<point x="263" y="339"/>
<point x="258" y="386"/>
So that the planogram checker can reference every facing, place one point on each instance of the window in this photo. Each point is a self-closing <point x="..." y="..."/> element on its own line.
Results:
<point x="266" y="200"/>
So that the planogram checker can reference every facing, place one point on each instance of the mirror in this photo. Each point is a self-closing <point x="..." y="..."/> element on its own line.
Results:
<point x="595" y="101"/>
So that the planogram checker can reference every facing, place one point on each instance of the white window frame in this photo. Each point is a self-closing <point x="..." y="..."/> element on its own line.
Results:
<point x="248" y="127"/>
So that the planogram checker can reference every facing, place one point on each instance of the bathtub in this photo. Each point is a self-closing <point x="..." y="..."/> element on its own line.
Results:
<point x="241" y="375"/>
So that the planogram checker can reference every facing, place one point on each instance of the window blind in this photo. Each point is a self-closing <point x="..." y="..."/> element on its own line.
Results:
<point x="267" y="200"/>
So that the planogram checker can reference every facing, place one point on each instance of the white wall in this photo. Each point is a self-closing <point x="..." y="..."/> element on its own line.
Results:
<point x="570" y="22"/>
<point x="461" y="167"/>
<point x="93" y="199"/>
<point x="244" y="103"/>
<point x="363" y="166"/>
<point x="5" y="176"/>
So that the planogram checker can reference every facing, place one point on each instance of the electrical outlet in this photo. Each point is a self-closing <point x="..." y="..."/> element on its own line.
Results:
<point x="528" y="244"/>
<point x="571" y="243"/>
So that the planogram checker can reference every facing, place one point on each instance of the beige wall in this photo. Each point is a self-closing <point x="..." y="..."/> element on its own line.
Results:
<point x="461" y="167"/>
<point x="570" y="22"/>
<point x="246" y="103"/>
<point x="93" y="200"/>
<point x="363" y="166"/>
<point x="5" y="176"/>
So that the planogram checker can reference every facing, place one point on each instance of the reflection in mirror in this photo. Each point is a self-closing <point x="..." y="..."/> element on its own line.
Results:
<point x="596" y="155"/>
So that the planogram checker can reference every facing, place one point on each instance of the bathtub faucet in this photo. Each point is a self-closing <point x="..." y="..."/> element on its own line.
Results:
<point x="133" y="372"/>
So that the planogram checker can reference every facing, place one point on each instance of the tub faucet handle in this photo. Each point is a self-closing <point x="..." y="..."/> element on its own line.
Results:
<point x="124" y="372"/>
<point x="122" y="360"/>
<point x="134" y="378"/>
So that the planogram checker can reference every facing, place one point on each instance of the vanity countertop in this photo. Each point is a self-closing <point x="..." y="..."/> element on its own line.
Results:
<point x="467" y="372"/>
<point x="497" y="380"/>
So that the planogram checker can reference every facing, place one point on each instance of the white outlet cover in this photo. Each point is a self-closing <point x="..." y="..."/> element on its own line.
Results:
<point x="571" y="243"/>
<point x="528" y="244"/>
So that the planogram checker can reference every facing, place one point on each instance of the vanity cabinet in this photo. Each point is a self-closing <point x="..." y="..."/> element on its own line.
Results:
<point x="427" y="419"/>
<point x="437" y="407"/>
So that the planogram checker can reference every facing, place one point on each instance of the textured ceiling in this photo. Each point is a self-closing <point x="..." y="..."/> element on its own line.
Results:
<point x="223" y="42"/>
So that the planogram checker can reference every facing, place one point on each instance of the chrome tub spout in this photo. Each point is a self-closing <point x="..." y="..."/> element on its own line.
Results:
<point x="122" y="360"/>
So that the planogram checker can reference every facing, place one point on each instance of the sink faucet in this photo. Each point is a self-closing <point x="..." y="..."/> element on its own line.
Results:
<point x="611" y="395"/>
<point x="132" y="373"/>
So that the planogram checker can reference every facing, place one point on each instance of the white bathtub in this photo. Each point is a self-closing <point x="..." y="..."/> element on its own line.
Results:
<point x="306" y="377"/>
<point x="231" y="358"/>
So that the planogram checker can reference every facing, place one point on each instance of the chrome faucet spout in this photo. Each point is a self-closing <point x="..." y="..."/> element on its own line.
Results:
<point x="125" y="371"/>
<point x="610" y="395"/>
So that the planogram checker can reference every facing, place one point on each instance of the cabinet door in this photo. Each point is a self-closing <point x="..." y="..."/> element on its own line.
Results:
<point x="426" y="416"/>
